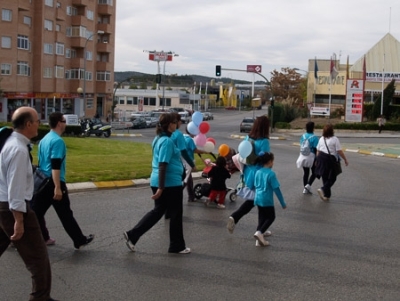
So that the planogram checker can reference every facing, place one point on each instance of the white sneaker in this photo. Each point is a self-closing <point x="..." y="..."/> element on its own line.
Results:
<point x="305" y="191"/>
<point x="231" y="224"/>
<point x="260" y="237"/>
<point x="221" y="206"/>
<point x="128" y="242"/>
<point x="267" y="233"/>
<point x="185" y="251"/>
<point x="322" y="196"/>
<point x="308" y="188"/>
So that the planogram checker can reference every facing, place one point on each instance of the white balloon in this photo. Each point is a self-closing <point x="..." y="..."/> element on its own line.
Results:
<point x="209" y="147"/>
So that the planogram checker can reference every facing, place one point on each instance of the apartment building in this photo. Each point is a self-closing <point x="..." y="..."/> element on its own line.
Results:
<point x="57" y="55"/>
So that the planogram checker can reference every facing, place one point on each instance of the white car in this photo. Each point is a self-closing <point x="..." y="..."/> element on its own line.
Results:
<point x="151" y="122"/>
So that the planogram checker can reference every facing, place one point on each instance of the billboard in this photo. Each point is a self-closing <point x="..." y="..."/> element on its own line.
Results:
<point x="160" y="56"/>
<point x="254" y="68"/>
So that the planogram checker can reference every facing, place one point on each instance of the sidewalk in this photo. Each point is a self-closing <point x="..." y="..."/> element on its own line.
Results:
<point x="381" y="150"/>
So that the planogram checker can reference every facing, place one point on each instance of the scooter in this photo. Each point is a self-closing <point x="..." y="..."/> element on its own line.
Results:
<point x="89" y="127"/>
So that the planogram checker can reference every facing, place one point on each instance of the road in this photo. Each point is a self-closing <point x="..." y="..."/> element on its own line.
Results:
<point x="347" y="249"/>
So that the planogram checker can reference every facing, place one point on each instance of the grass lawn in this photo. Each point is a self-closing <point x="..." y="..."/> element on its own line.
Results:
<point x="98" y="159"/>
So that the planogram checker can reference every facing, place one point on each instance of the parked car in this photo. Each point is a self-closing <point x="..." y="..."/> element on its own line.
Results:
<point x="139" y="123"/>
<point x="185" y="118"/>
<point x="151" y="122"/>
<point x="208" y="116"/>
<point x="246" y="124"/>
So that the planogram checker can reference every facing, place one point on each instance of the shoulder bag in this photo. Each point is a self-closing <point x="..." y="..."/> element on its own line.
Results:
<point x="337" y="168"/>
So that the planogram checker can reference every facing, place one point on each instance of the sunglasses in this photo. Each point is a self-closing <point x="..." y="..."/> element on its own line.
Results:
<point x="63" y="121"/>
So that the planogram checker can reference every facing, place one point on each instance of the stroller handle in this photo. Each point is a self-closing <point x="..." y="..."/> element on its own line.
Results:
<point x="215" y="158"/>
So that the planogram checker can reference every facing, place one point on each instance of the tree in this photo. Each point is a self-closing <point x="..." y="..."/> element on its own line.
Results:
<point x="288" y="84"/>
<point x="387" y="99"/>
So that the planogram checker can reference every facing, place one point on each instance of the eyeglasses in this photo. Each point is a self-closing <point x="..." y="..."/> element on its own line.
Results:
<point x="63" y="121"/>
<point x="37" y="121"/>
<point x="174" y="122"/>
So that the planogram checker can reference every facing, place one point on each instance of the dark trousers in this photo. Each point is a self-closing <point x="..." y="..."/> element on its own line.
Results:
<point x="189" y="187"/>
<point x="42" y="202"/>
<point x="328" y="181"/>
<point x="306" y="175"/>
<point x="171" y="200"/>
<point x="266" y="216"/>
<point x="31" y="248"/>
<point x="243" y="210"/>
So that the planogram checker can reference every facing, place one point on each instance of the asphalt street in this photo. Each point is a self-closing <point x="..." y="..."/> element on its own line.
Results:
<point x="347" y="249"/>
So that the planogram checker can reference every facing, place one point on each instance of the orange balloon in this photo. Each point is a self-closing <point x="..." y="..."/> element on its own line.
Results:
<point x="223" y="150"/>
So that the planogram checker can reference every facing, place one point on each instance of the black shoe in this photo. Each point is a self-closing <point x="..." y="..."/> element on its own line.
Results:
<point x="89" y="239"/>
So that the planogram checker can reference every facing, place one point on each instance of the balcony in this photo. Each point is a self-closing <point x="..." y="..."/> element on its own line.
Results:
<point x="78" y="42"/>
<point x="104" y="47"/>
<point x="103" y="66"/>
<point x="60" y="14"/>
<point x="79" y="2"/>
<point x="104" y="27"/>
<point x="78" y="20"/>
<point x="104" y="9"/>
<point x="104" y="87"/>
<point x="77" y="63"/>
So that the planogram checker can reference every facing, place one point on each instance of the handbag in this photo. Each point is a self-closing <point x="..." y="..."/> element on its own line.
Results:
<point x="40" y="180"/>
<point x="336" y="167"/>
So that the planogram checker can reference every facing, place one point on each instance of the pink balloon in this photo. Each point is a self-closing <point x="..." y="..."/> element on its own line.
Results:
<point x="200" y="139"/>
<point x="204" y="127"/>
<point x="212" y="140"/>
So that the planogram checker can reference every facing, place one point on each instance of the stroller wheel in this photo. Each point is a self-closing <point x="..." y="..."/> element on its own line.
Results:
<point x="197" y="191"/>
<point x="232" y="196"/>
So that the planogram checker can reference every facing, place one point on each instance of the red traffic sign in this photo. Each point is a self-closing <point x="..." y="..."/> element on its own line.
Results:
<point x="254" y="68"/>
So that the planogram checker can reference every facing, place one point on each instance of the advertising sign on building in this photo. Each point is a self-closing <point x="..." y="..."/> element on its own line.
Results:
<point x="354" y="100"/>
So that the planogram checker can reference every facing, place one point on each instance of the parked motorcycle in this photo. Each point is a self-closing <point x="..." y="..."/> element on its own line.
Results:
<point x="95" y="127"/>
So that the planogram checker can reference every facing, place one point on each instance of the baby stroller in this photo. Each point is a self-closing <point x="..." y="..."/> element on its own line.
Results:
<point x="204" y="189"/>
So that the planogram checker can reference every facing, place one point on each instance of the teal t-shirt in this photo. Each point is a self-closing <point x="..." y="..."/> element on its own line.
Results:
<point x="265" y="182"/>
<point x="312" y="140"/>
<point x="164" y="150"/>
<point x="190" y="146"/>
<point x="179" y="140"/>
<point x="52" y="146"/>
<point x="250" y="170"/>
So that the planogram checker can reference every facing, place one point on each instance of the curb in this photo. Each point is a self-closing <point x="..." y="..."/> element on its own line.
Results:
<point x="126" y="135"/>
<point x="364" y="152"/>
<point x="271" y="138"/>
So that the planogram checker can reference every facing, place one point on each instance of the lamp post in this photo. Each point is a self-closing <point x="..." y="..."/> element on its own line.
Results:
<point x="100" y="32"/>
<point x="163" y="91"/>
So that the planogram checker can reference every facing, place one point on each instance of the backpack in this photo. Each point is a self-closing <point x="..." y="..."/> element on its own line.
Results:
<point x="251" y="159"/>
<point x="5" y="132"/>
<point x="305" y="147"/>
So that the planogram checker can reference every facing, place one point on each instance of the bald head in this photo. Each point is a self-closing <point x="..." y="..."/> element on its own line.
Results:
<point x="26" y="121"/>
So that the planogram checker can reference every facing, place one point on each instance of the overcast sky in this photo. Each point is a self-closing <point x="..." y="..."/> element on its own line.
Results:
<point x="237" y="33"/>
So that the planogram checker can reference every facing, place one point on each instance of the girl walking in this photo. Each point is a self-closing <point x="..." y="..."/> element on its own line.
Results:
<point x="266" y="183"/>
<point x="218" y="175"/>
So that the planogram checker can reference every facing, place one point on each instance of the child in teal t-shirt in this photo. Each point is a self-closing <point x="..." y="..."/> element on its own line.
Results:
<point x="266" y="183"/>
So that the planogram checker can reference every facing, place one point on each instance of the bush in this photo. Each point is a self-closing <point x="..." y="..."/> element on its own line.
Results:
<point x="282" y="125"/>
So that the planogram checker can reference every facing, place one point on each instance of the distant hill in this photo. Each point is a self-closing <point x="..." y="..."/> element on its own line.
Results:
<point x="180" y="80"/>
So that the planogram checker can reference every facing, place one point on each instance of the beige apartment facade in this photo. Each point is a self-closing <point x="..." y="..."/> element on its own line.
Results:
<point x="57" y="55"/>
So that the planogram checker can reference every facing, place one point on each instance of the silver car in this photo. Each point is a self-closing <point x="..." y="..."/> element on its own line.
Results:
<point x="246" y="124"/>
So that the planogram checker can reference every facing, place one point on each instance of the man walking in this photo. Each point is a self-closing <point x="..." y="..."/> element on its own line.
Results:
<point x="51" y="156"/>
<point x="18" y="222"/>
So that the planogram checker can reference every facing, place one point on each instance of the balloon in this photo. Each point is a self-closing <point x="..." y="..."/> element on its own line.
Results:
<point x="223" y="150"/>
<point x="197" y="118"/>
<point x="192" y="128"/>
<point x="212" y="140"/>
<point x="204" y="127"/>
<point x="200" y="139"/>
<point x="245" y="148"/>
<point x="209" y="147"/>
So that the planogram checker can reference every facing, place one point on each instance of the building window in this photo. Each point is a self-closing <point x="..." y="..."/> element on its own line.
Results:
<point x="58" y="27"/>
<point x="5" y="69"/>
<point x="5" y="42"/>
<point x="103" y="20"/>
<point x="68" y="53"/>
<point x="48" y="3"/>
<point x="89" y="75"/>
<point x="108" y="2"/>
<point x="47" y="72"/>
<point x="72" y="11"/>
<point x="89" y="103"/>
<point x="59" y="71"/>
<point x="102" y="57"/>
<point x="103" y="76"/>
<point x="89" y="55"/>
<point x="48" y="48"/>
<point x="48" y="24"/>
<point x="129" y="100"/>
<point x="152" y="101"/>
<point x="135" y="100"/>
<point x="27" y="20"/>
<point x="121" y="100"/>
<point x="59" y="49"/>
<point x="6" y="14"/>
<point x="90" y="14"/>
<point x="76" y="31"/>
<point x="76" y="73"/>
<point x="58" y="5"/>
<point x="23" y="42"/>
<point x="73" y="53"/>
<point x="23" y="68"/>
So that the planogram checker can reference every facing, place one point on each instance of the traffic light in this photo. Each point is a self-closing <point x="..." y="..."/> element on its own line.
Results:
<point x="218" y="70"/>
<point x="272" y="103"/>
<point x="158" y="78"/>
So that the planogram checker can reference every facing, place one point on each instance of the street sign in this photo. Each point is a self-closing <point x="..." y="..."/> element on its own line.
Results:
<point x="254" y="68"/>
<point x="160" y="56"/>
<point x="309" y="106"/>
<point x="323" y="111"/>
